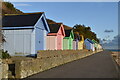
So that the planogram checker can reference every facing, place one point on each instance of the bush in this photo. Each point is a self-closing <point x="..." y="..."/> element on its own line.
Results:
<point x="5" y="55"/>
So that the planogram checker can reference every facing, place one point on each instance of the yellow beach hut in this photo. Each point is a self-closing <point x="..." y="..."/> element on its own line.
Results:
<point x="81" y="43"/>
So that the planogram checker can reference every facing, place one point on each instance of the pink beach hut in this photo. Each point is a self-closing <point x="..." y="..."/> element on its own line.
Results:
<point x="55" y="37"/>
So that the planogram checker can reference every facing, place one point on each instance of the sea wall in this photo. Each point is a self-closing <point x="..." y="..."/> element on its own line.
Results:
<point x="22" y="67"/>
<point x="3" y="70"/>
<point x="46" y="60"/>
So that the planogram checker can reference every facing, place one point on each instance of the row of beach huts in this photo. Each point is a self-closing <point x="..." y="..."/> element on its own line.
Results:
<point x="27" y="33"/>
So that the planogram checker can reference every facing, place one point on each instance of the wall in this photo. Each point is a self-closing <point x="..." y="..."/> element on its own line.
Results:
<point x="51" y="43"/>
<point x="18" y="37"/>
<point x="60" y="37"/>
<point x="59" y="42"/>
<point x="40" y="35"/>
<point x="46" y="60"/>
<point x="65" y="44"/>
<point x="22" y="67"/>
<point x="3" y="70"/>
<point x="70" y="43"/>
<point x="80" y="45"/>
<point x="74" y="45"/>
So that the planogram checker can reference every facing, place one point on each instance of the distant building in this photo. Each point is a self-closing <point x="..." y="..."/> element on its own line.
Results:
<point x="55" y="37"/>
<point x="25" y="34"/>
<point x="68" y="40"/>
<point x="89" y="44"/>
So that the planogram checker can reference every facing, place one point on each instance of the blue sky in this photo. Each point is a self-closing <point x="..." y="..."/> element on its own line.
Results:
<point x="100" y="16"/>
<point x="63" y="0"/>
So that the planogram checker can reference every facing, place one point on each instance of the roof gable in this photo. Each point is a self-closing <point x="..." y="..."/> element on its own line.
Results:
<point x="42" y="23"/>
<point x="69" y="33"/>
<point x="61" y="30"/>
<point x="20" y="20"/>
<point x="90" y="41"/>
<point x="54" y="28"/>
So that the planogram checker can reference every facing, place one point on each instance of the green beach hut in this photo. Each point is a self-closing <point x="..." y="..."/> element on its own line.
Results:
<point x="68" y="39"/>
<point x="95" y="44"/>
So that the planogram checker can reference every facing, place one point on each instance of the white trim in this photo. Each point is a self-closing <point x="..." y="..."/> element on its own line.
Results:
<point x="43" y="15"/>
<point x="17" y="27"/>
<point x="33" y="42"/>
<point x="38" y="21"/>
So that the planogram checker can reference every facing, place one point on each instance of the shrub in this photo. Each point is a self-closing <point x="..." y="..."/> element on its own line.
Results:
<point x="5" y="55"/>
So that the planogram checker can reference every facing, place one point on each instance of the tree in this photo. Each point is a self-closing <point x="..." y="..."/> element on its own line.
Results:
<point x="85" y="31"/>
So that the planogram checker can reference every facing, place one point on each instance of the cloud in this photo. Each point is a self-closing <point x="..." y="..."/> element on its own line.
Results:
<point x="23" y="5"/>
<point x="113" y="44"/>
<point x="108" y="31"/>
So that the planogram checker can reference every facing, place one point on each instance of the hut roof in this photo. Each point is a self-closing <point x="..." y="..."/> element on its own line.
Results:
<point x="90" y="41"/>
<point x="54" y="27"/>
<point x="67" y="32"/>
<point x="20" y="20"/>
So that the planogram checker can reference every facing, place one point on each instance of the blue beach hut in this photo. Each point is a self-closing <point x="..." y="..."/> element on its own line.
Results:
<point x="89" y="44"/>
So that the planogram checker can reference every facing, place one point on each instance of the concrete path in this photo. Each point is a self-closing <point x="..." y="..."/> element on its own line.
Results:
<point x="99" y="65"/>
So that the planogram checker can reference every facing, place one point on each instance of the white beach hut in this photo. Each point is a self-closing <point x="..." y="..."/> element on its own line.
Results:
<point x="25" y="34"/>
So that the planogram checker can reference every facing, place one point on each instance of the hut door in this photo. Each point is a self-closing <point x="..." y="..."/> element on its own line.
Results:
<point x="59" y="42"/>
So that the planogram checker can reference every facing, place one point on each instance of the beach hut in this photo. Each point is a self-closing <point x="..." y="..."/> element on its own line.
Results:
<point x="68" y="40"/>
<point x="89" y="44"/>
<point x="25" y="33"/>
<point x="81" y="43"/>
<point x="75" y="41"/>
<point x="95" y="44"/>
<point x="55" y="37"/>
<point x="99" y="47"/>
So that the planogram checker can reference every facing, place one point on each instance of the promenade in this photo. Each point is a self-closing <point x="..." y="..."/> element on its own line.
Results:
<point x="99" y="65"/>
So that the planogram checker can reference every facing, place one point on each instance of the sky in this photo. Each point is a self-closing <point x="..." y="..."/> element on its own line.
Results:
<point x="100" y="16"/>
<point x="63" y="0"/>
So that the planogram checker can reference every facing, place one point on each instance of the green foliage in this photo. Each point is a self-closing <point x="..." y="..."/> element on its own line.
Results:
<point x="8" y="8"/>
<point x="9" y="5"/>
<point x="5" y="55"/>
<point x="85" y="31"/>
